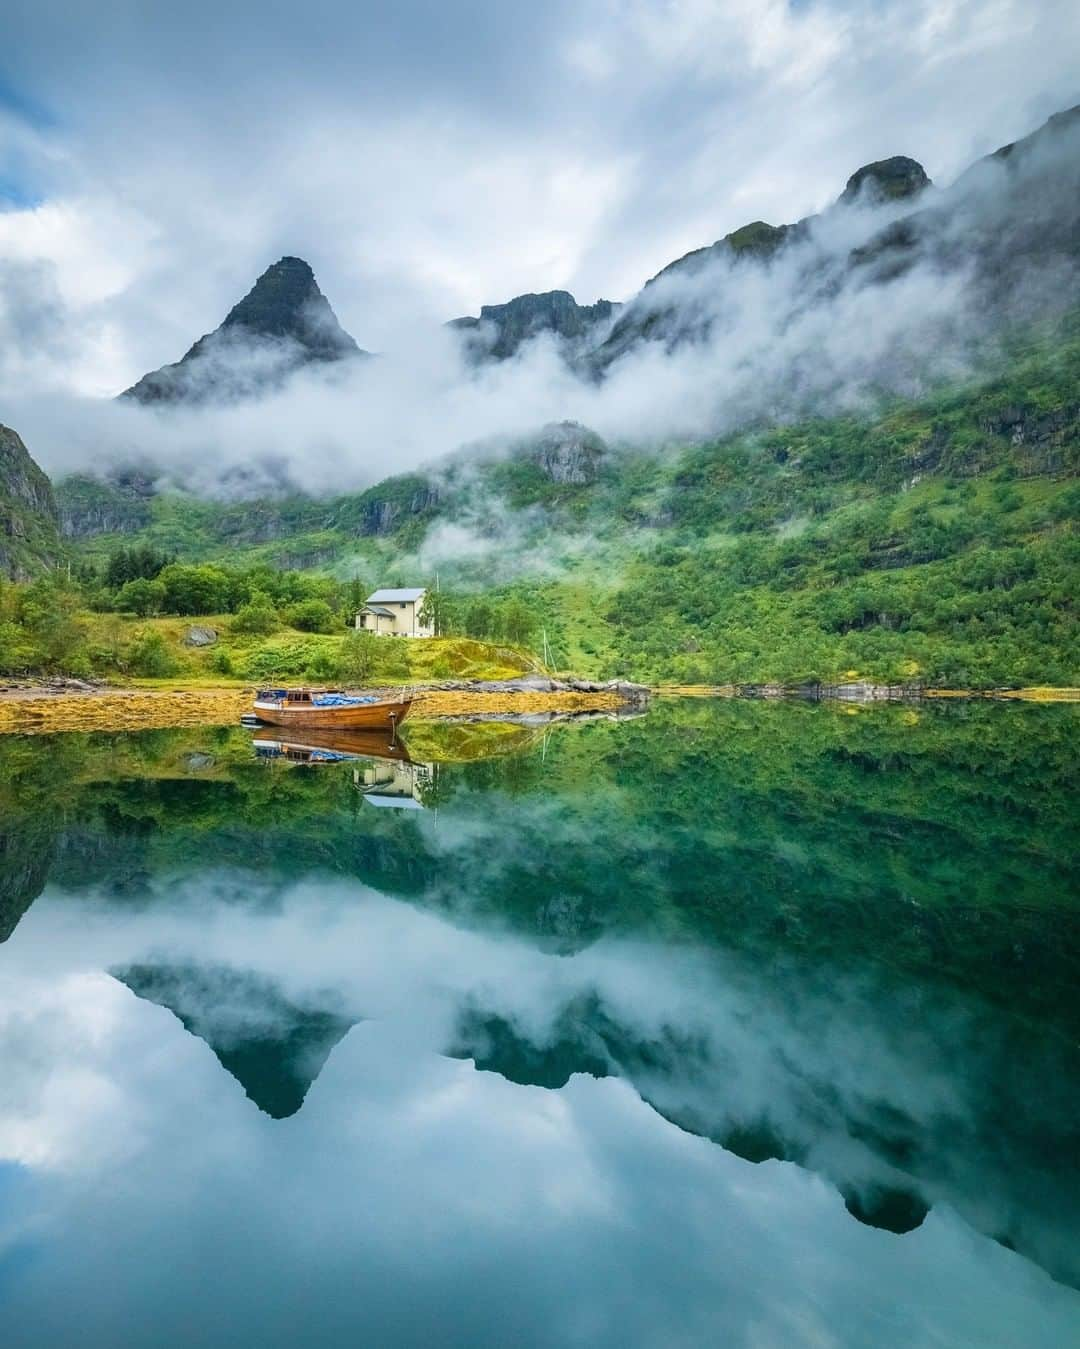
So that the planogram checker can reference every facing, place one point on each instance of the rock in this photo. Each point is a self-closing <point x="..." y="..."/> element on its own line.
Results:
<point x="199" y="635"/>
<point x="567" y="452"/>
<point x="197" y="762"/>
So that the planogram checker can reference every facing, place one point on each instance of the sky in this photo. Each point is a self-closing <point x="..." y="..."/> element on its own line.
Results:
<point x="427" y="158"/>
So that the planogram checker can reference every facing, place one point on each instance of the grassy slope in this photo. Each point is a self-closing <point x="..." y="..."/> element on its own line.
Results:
<point x="935" y="539"/>
<point x="289" y="652"/>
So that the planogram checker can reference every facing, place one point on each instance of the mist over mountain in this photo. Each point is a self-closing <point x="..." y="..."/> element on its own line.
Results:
<point x="502" y="329"/>
<point x="284" y="323"/>
<point x="898" y="288"/>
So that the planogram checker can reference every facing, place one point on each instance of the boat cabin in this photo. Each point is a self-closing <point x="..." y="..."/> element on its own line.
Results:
<point x="293" y="697"/>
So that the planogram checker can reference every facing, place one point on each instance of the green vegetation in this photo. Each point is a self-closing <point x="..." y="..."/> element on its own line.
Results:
<point x="932" y="540"/>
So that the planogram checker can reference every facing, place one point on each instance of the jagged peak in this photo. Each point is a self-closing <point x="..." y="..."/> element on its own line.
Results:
<point x="895" y="179"/>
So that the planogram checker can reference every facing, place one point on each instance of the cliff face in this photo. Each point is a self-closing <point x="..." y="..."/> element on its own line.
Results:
<point x="88" y="506"/>
<point x="283" y="323"/>
<point x="501" y="329"/>
<point x="28" y="535"/>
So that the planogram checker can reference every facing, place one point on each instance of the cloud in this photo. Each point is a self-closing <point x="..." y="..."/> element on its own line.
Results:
<point x="427" y="162"/>
<point x="741" y="342"/>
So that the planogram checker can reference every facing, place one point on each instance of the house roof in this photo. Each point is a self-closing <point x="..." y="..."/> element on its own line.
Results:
<point x="378" y="609"/>
<point x="395" y="596"/>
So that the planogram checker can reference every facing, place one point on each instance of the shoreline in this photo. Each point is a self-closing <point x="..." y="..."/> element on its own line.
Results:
<point x="43" y="710"/>
<point x="59" y="705"/>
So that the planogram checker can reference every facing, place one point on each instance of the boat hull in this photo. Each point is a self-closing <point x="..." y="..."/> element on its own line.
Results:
<point x="364" y="716"/>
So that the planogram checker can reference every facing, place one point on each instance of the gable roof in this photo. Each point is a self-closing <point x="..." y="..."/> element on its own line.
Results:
<point x="377" y="609"/>
<point x="395" y="596"/>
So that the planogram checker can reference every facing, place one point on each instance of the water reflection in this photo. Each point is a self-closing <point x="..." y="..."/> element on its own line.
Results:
<point x="630" y="1029"/>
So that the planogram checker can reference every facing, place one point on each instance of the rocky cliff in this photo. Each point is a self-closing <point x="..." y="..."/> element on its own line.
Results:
<point x="283" y="323"/>
<point x="501" y="329"/>
<point x="28" y="535"/>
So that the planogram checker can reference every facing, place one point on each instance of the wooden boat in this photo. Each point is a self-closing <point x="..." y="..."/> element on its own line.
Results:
<point x="304" y="707"/>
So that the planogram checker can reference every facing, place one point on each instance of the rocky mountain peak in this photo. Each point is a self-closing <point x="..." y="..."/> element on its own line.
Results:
<point x="895" y="179"/>
<point x="502" y="328"/>
<point x="282" y="323"/>
<point x="286" y="302"/>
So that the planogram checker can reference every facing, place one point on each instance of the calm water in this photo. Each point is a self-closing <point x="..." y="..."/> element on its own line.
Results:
<point x="734" y="1024"/>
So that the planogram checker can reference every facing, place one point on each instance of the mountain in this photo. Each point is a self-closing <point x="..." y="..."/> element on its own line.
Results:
<point x="679" y="304"/>
<point x="28" y="517"/>
<point x="502" y="329"/>
<point x="284" y="322"/>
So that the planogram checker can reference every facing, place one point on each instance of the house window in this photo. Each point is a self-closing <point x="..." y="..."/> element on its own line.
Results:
<point x="401" y="605"/>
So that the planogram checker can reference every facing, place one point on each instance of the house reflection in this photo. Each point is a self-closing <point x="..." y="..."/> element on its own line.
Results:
<point x="399" y="784"/>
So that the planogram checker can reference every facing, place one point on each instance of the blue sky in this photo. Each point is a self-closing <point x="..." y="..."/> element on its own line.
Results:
<point x="428" y="157"/>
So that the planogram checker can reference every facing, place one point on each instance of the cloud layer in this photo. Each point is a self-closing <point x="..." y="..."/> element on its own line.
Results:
<point x="426" y="164"/>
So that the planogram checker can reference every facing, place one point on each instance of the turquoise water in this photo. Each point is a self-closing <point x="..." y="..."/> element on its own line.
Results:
<point x="733" y="1024"/>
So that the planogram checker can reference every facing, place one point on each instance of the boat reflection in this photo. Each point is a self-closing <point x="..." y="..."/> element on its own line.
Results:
<point x="329" y="746"/>
<point x="388" y="777"/>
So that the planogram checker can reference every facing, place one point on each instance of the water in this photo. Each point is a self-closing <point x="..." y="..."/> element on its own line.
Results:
<point x="735" y="1024"/>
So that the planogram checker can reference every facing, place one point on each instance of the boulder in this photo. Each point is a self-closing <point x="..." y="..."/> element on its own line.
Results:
<point x="199" y="635"/>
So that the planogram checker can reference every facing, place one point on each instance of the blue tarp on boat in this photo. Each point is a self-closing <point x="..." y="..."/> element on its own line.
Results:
<point x="338" y="700"/>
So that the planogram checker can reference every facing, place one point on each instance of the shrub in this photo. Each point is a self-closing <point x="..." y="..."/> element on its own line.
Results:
<point x="150" y="656"/>
<point x="311" y="616"/>
<point x="221" y="661"/>
<point x="258" y="617"/>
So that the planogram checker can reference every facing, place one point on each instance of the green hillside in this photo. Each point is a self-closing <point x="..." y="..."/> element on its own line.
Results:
<point x="933" y="540"/>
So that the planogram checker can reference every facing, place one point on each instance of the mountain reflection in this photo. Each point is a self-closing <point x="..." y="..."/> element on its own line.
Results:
<point x="842" y="942"/>
<point x="273" y="1048"/>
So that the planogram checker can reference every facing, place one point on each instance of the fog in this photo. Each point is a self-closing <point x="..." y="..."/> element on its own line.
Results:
<point x="744" y="342"/>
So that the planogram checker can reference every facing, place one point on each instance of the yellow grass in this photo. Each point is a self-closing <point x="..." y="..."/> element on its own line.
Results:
<point x="30" y="712"/>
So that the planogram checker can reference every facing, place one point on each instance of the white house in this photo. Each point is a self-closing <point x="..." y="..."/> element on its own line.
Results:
<point x="394" y="613"/>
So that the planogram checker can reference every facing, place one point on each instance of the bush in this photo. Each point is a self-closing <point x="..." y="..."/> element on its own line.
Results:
<point x="280" y="659"/>
<point x="221" y="661"/>
<point x="151" y="658"/>
<point x="311" y="616"/>
<point x="322" y="665"/>
<point x="363" y="657"/>
<point x="257" y="618"/>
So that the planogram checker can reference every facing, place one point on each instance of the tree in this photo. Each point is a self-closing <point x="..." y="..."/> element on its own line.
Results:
<point x="195" y="590"/>
<point x="479" y="619"/>
<point x="518" y="622"/>
<point x="357" y="657"/>
<point x="435" y="611"/>
<point x="48" y="610"/>
<point x="363" y="657"/>
<point x="141" y="597"/>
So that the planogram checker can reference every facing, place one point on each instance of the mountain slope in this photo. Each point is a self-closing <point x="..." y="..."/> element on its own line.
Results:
<point x="935" y="540"/>
<point x="283" y="323"/>
<point x="28" y="518"/>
